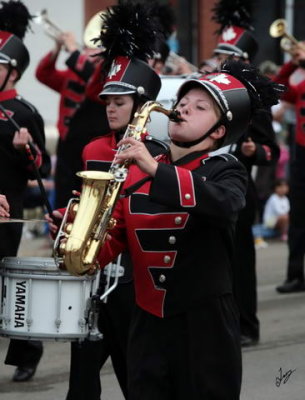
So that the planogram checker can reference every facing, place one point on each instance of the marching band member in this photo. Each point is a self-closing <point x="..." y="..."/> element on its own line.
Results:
<point x="15" y="167"/>
<point x="114" y="315"/>
<point x="177" y="219"/>
<point x="295" y="281"/>
<point x="129" y="83"/>
<point x="70" y="83"/>
<point x="257" y="146"/>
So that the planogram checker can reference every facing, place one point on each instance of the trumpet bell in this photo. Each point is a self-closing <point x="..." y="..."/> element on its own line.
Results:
<point x="40" y="16"/>
<point x="278" y="28"/>
<point x="52" y="30"/>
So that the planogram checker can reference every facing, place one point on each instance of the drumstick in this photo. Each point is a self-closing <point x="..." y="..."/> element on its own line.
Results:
<point x="5" y="220"/>
<point x="29" y="151"/>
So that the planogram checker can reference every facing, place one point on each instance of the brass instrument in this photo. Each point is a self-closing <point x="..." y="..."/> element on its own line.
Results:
<point x="91" y="31"/>
<point x="84" y="237"/>
<point x="288" y="43"/>
<point x="51" y="29"/>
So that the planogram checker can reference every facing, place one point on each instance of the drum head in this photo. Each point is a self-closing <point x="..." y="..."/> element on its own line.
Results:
<point x="45" y="263"/>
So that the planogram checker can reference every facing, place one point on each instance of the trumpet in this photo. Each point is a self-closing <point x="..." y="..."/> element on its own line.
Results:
<point x="91" y="30"/>
<point x="51" y="29"/>
<point x="288" y="43"/>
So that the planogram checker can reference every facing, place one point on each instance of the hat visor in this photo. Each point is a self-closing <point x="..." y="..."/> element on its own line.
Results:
<point x="4" y="59"/>
<point x="229" y="50"/>
<point x="116" y="90"/>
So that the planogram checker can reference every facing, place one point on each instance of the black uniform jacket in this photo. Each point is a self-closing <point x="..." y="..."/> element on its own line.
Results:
<point x="179" y="229"/>
<point x="15" y="166"/>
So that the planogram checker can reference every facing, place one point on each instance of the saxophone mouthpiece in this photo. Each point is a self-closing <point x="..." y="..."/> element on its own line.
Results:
<point x="174" y="116"/>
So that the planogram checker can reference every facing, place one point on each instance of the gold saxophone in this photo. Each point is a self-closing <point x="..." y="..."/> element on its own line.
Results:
<point x="78" y="243"/>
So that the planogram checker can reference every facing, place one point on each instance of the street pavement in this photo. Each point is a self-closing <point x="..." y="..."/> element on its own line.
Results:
<point x="272" y="370"/>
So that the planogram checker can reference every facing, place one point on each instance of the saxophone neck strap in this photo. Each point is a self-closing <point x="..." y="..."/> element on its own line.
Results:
<point x="134" y="187"/>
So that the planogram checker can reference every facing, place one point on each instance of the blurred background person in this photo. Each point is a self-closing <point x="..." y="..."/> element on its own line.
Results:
<point x="15" y="166"/>
<point x="276" y="211"/>
<point x="294" y="281"/>
<point x="70" y="83"/>
<point x="256" y="147"/>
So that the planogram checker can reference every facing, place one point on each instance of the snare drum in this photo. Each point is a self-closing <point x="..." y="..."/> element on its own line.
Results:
<point x="39" y="301"/>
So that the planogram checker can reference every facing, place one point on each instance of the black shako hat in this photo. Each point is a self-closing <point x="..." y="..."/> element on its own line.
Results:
<point x="131" y="76"/>
<point x="14" y="21"/>
<point x="128" y="36"/>
<point x="239" y="90"/>
<point x="236" y="36"/>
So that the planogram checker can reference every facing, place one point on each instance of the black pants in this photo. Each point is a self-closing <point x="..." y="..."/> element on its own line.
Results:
<point x="20" y="352"/>
<point x="87" y="358"/>
<point x="244" y="268"/>
<point x="194" y="355"/>
<point x="296" y="234"/>
<point x="24" y="353"/>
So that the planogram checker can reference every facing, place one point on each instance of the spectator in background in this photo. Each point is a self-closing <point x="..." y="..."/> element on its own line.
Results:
<point x="276" y="212"/>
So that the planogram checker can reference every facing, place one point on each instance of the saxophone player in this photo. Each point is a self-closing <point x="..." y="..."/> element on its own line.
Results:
<point x="178" y="225"/>
<point x="127" y="84"/>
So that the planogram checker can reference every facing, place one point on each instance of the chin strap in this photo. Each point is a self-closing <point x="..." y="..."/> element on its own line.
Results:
<point x="194" y="142"/>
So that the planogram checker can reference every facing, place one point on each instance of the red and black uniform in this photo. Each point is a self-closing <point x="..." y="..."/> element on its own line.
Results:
<point x="296" y="234"/>
<point x="15" y="166"/>
<point x="179" y="229"/>
<point x="75" y="119"/>
<point x="87" y="358"/>
<point x="267" y="153"/>
<point x="70" y="83"/>
<point x="16" y="169"/>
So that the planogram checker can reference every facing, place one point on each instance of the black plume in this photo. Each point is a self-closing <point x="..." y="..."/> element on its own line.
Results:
<point x="128" y="30"/>
<point x="165" y="16"/>
<point x="14" y="18"/>
<point x="263" y="92"/>
<point x="233" y="12"/>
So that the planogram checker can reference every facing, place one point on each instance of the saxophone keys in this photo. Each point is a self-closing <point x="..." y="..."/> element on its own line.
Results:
<point x="68" y="228"/>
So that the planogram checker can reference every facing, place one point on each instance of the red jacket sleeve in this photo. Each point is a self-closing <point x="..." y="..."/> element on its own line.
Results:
<point x="47" y="74"/>
<point x="283" y="77"/>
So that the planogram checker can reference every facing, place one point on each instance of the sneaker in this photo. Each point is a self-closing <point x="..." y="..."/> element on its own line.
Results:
<point x="260" y="243"/>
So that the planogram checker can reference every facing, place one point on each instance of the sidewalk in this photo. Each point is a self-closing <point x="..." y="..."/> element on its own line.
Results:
<point x="280" y="351"/>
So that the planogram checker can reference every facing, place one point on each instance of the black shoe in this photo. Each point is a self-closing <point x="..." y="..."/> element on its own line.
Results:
<point x="247" y="341"/>
<point x="23" y="374"/>
<point x="291" y="286"/>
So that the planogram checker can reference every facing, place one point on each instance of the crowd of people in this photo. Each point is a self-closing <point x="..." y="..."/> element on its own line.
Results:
<point x="228" y="165"/>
